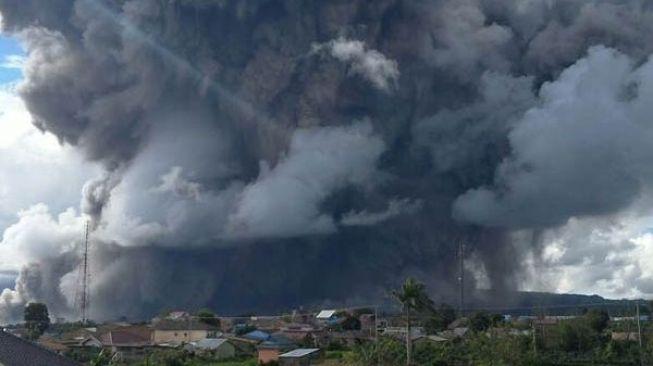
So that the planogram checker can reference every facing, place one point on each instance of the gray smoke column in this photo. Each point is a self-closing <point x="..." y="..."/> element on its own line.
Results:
<point x="261" y="155"/>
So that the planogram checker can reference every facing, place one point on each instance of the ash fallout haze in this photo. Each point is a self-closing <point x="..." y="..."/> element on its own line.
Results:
<point x="252" y="156"/>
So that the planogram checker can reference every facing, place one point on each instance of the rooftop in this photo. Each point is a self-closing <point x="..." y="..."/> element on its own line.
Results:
<point x="300" y="352"/>
<point x="15" y="351"/>
<point x="127" y="336"/>
<point x="326" y="314"/>
<point x="183" y="324"/>
<point x="209" y="343"/>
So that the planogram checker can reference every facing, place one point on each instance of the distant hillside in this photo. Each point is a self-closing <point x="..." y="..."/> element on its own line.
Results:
<point x="529" y="303"/>
<point x="534" y="303"/>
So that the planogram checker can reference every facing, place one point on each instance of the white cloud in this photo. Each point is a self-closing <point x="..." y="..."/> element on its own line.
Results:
<point x="612" y="257"/>
<point x="34" y="167"/>
<point x="173" y="181"/>
<point x="395" y="208"/>
<point x="39" y="235"/>
<point x="284" y="201"/>
<point x="584" y="150"/>
<point x="370" y="64"/>
<point x="13" y="62"/>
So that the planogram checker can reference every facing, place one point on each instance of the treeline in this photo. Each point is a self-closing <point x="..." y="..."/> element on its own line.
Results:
<point x="582" y="341"/>
<point x="490" y="340"/>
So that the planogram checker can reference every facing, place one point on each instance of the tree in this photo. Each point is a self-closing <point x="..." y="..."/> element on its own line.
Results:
<point x="413" y="298"/>
<point x="351" y="323"/>
<point x="480" y="321"/>
<point x="597" y="319"/>
<point x="37" y="319"/>
<point x="102" y="359"/>
<point x="440" y="319"/>
<point x="496" y="319"/>
<point x="206" y="316"/>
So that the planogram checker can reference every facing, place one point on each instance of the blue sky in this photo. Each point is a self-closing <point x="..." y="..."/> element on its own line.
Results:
<point x="9" y="48"/>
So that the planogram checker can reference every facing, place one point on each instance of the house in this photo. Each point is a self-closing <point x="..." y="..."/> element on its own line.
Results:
<point x="429" y="339"/>
<point x="458" y="332"/>
<point x="642" y="318"/>
<point x="52" y="344"/>
<point x="496" y="332"/>
<point x="348" y="338"/>
<point x="624" y="336"/>
<point x="219" y="348"/>
<point x="244" y="347"/>
<point x="325" y="317"/>
<point x="368" y="322"/>
<point x="458" y="323"/>
<point x="173" y="332"/>
<point x="257" y="335"/>
<point x="270" y="350"/>
<point x="300" y="332"/>
<point x="299" y="357"/>
<point x="91" y="342"/>
<point x="176" y="315"/>
<point x="128" y="343"/>
<point x="270" y="323"/>
<point x="400" y="332"/>
<point x="15" y="351"/>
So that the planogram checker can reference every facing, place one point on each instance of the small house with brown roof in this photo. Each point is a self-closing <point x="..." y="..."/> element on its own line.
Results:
<point x="129" y="343"/>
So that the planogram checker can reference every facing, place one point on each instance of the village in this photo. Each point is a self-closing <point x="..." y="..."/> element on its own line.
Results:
<point x="299" y="338"/>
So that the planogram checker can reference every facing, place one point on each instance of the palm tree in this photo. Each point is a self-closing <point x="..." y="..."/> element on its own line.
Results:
<point x="413" y="298"/>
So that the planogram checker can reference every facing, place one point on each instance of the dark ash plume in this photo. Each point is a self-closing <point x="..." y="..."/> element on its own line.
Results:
<point x="308" y="150"/>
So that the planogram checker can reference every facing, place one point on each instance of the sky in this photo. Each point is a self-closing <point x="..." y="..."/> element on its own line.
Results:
<point x="12" y="58"/>
<point x="36" y="171"/>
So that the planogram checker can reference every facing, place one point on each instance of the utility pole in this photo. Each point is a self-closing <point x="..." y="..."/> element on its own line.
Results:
<point x="534" y="336"/>
<point x="376" y="335"/>
<point x="639" y="335"/>
<point x="84" y="302"/>
<point x="461" y="277"/>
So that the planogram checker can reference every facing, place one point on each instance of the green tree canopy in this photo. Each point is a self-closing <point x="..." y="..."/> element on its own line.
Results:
<point x="413" y="297"/>
<point x="597" y="319"/>
<point x="208" y="317"/>
<point x="480" y="321"/>
<point x="37" y="319"/>
<point x="441" y="318"/>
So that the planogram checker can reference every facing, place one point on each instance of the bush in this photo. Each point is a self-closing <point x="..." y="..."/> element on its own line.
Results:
<point x="479" y="322"/>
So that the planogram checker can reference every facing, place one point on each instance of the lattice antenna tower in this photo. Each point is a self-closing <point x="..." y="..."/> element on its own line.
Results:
<point x="84" y="303"/>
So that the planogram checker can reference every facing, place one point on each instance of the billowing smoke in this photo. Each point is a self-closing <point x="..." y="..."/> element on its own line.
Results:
<point x="260" y="155"/>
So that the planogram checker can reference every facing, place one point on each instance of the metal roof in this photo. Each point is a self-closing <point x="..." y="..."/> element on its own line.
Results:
<point x="300" y="352"/>
<point x="257" y="335"/>
<point x="209" y="343"/>
<point x="326" y="314"/>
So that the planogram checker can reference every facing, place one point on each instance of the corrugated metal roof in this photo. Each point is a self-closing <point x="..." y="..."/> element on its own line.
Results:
<point x="300" y="352"/>
<point x="257" y="335"/>
<point x="209" y="343"/>
<point x="326" y="314"/>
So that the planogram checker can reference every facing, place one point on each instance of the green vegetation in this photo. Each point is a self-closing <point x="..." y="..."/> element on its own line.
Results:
<point x="414" y="300"/>
<point x="208" y="317"/>
<point x="585" y="340"/>
<point x="182" y="358"/>
<point x="37" y="319"/>
<point x="440" y="319"/>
